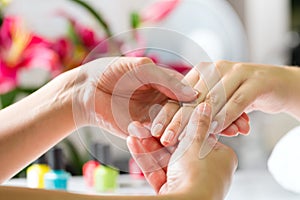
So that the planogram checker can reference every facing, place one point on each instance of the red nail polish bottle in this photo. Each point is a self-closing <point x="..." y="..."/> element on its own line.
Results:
<point x="90" y="166"/>
<point x="134" y="170"/>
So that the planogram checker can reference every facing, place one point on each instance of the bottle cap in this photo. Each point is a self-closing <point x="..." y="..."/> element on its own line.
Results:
<point x="41" y="160"/>
<point x="56" y="160"/>
<point x="102" y="153"/>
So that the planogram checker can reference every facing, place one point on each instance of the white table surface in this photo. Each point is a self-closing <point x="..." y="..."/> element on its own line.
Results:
<point x="247" y="185"/>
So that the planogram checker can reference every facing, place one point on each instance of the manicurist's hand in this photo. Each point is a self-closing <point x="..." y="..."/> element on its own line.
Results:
<point x="113" y="92"/>
<point x="108" y="92"/>
<point x="178" y="172"/>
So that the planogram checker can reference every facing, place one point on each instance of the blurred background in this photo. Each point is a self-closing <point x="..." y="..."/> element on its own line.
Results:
<point x="238" y="30"/>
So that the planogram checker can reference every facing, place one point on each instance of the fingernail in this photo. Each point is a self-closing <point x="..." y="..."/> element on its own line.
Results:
<point x="187" y="90"/>
<point x="213" y="127"/>
<point x="169" y="137"/>
<point x="157" y="129"/>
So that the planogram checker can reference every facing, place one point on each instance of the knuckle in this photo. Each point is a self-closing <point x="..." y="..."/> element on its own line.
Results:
<point x="199" y="138"/>
<point x="143" y="61"/>
<point x="175" y="125"/>
<point x="260" y="74"/>
<point x="203" y="123"/>
<point x="238" y="67"/>
<point x="212" y="98"/>
<point x="221" y="65"/>
<point x="239" y="99"/>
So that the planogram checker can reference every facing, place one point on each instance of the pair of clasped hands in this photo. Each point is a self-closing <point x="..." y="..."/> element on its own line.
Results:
<point x="154" y="107"/>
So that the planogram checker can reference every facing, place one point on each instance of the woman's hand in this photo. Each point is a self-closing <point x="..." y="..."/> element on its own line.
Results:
<point x="172" y="119"/>
<point x="249" y="87"/>
<point x="113" y="92"/>
<point x="182" y="173"/>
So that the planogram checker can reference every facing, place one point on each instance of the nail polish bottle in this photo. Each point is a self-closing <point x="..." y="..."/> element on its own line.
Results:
<point x="35" y="173"/>
<point x="134" y="170"/>
<point x="105" y="177"/>
<point x="90" y="166"/>
<point x="57" y="178"/>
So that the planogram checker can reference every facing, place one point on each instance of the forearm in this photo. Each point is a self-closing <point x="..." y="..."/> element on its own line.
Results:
<point x="34" y="124"/>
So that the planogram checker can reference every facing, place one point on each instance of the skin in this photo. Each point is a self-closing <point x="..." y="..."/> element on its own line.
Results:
<point x="36" y="120"/>
<point x="172" y="119"/>
<point x="185" y="173"/>
<point x="248" y="87"/>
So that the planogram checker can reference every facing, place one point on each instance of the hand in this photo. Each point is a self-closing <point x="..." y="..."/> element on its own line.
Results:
<point x="249" y="87"/>
<point x="182" y="173"/>
<point x="112" y="92"/>
<point x="172" y="119"/>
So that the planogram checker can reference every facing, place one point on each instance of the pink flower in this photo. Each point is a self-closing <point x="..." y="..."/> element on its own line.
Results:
<point x="76" y="46"/>
<point x="20" y="49"/>
<point x="180" y="67"/>
<point x="158" y="11"/>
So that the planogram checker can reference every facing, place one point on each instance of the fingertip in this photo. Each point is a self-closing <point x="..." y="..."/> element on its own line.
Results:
<point x="132" y="127"/>
<point x="188" y="96"/>
<point x="243" y="125"/>
<point x="245" y="116"/>
<point x="156" y="129"/>
<point x="230" y="131"/>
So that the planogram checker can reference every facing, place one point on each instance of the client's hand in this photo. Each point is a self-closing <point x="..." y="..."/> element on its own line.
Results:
<point x="172" y="119"/>
<point x="112" y="92"/>
<point x="182" y="174"/>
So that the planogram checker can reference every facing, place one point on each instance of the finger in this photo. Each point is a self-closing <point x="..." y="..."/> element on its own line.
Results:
<point x="239" y="126"/>
<point x="209" y="77"/>
<point x="244" y="96"/>
<point x="230" y="131"/>
<point x="243" y="125"/>
<point x="165" y="83"/>
<point x="170" y="108"/>
<point x="176" y="126"/>
<point x="150" y="144"/>
<point x="163" y="118"/>
<point x="245" y="116"/>
<point x="157" y="176"/>
<point x="198" y="126"/>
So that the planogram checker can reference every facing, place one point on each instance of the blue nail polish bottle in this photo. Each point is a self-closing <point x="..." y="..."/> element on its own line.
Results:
<point x="57" y="178"/>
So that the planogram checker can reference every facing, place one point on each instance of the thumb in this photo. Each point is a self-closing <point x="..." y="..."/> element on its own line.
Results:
<point x="198" y="127"/>
<point x="166" y="82"/>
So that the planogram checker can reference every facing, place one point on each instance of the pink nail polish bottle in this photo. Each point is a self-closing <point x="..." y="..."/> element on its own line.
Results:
<point x="134" y="170"/>
<point x="90" y="166"/>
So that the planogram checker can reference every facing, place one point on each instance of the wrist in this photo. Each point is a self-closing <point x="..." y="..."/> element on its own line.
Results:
<point x="292" y="85"/>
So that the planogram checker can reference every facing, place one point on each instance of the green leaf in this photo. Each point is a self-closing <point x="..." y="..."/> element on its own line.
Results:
<point x="73" y="35"/>
<point x="8" y="98"/>
<point x="95" y="14"/>
<point x="135" y="20"/>
<point x="1" y="18"/>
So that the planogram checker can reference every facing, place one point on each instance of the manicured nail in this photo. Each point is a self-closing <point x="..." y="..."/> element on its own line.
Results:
<point x="213" y="127"/>
<point x="157" y="129"/>
<point x="169" y="137"/>
<point x="187" y="90"/>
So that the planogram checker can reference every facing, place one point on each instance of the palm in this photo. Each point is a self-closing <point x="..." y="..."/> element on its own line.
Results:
<point x="129" y="90"/>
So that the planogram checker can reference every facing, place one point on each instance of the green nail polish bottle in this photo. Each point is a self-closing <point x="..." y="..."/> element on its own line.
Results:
<point x="105" y="179"/>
